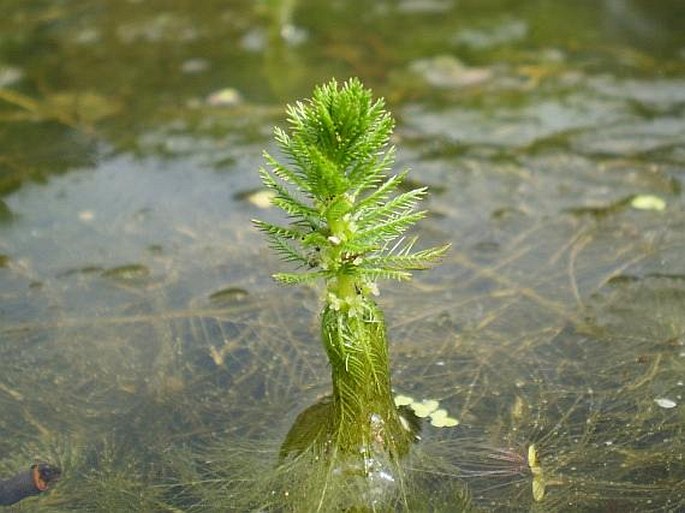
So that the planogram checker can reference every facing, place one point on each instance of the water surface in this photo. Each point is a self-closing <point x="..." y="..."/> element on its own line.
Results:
<point x="143" y="345"/>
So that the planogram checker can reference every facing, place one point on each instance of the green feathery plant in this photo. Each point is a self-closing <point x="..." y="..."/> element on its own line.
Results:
<point x="347" y="228"/>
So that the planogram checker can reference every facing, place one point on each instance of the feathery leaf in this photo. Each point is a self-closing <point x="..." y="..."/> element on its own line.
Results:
<point x="344" y="207"/>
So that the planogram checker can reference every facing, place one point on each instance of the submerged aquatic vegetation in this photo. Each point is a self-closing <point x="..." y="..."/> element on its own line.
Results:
<point x="347" y="228"/>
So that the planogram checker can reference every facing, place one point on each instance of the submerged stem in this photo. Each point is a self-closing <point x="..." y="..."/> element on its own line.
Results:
<point x="364" y="415"/>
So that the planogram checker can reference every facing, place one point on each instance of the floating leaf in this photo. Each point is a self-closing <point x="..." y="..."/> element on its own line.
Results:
<point x="440" y="418"/>
<point x="425" y="407"/>
<point x="403" y="400"/>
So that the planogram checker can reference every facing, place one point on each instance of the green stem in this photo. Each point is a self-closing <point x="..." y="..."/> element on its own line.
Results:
<point x="345" y="288"/>
<point x="364" y="417"/>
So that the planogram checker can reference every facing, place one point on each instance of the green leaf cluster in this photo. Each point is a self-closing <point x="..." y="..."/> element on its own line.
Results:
<point x="348" y="220"/>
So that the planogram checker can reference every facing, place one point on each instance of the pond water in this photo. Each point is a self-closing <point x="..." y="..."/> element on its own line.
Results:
<point x="144" y="347"/>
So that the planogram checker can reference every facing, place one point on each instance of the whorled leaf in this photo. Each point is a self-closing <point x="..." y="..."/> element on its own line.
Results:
<point x="339" y="194"/>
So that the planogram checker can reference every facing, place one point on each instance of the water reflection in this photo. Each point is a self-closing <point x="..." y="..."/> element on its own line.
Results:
<point x="646" y="24"/>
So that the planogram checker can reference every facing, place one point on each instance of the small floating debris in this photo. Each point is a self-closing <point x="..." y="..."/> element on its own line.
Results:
<point x="10" y="75"/>
<point x="663" y="402"/>
<point x="503" y="32"/>
<point x="228" y="296"/>
<point x="86" y="215"/>
<point x="262" y="199"/>
<point x="217" y="355"/>
<point x="448" y="72"/>
<point x="127" y="273"/>
<point x="424" y="6"/>
<point x="85" y="270"/>
<point x="195" y="66"/>
<point x="648" y="202"/>
<point x="227" y="97"/>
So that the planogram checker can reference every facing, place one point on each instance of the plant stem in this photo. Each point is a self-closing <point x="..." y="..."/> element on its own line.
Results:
<point x="364" y="416"/>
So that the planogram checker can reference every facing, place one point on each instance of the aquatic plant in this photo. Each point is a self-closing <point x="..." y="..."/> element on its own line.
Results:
<point x="348" y="225"/>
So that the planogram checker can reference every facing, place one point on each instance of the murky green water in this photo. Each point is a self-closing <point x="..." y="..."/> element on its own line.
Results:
<point x="144" y="347"/>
